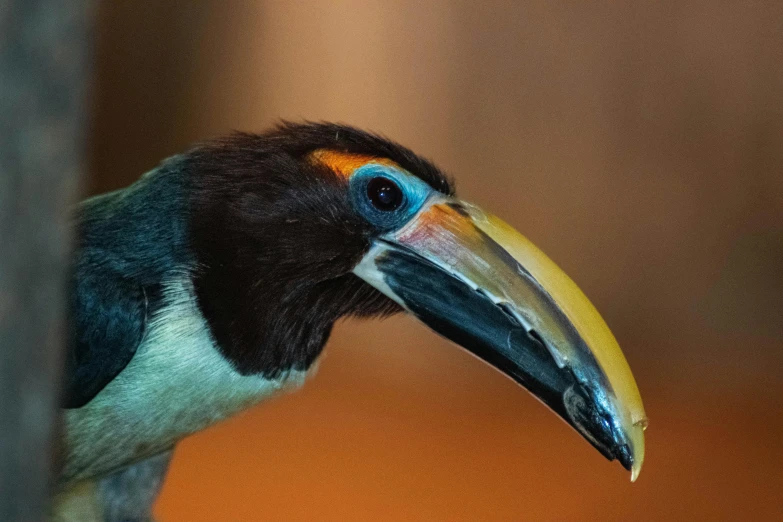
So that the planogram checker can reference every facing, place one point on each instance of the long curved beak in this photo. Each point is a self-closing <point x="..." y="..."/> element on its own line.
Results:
<point x="475" y="280"/>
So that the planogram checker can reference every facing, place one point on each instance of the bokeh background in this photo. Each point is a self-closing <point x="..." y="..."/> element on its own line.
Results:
<point x="640" y="144"/>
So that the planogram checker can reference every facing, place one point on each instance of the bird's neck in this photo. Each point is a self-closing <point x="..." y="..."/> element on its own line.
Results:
<point x="178" y="383"/>
<point x="262" y="323"/>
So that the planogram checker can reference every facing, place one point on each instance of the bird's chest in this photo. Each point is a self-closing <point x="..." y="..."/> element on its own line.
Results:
<point x="176" y="384"/>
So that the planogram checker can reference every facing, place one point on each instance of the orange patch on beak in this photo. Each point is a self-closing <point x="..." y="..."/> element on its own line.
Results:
<point x="345" y="163"/>
<point x="439" y="219"/>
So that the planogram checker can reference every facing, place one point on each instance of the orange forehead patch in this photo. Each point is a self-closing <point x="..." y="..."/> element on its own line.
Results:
<point x="345" y="163"/>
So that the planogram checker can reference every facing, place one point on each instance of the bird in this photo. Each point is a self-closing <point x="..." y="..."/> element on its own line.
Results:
<point x="212" y="284"/>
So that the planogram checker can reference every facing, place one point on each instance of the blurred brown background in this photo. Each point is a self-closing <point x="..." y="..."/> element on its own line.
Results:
<point x="640" y="144"/>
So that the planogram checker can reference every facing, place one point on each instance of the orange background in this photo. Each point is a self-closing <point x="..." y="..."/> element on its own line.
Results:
<point x="639" y="144"/>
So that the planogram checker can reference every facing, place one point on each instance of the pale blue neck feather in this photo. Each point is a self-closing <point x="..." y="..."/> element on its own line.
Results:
<point x="176" y="384"/>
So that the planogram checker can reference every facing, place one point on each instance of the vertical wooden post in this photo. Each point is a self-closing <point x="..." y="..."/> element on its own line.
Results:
<point x="44" y="74"/>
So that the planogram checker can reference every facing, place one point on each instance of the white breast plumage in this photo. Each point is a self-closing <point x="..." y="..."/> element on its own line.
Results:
<point x="176" y="384"/>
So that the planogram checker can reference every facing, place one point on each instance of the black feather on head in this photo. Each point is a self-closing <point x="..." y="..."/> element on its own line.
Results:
<point x="276" y="239"/>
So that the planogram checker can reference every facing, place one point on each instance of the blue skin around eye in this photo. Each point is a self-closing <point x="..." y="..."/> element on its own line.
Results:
<point x="415" y="193"/>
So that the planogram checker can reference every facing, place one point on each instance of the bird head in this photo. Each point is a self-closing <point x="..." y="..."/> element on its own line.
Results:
<point x="308" y="223"/>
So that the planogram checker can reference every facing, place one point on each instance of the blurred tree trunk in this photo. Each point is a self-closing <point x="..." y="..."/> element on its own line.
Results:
<point x="44" y="72"/>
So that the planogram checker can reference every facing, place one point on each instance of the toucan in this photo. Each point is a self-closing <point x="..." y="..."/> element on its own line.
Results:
<point x="213" y="282"/>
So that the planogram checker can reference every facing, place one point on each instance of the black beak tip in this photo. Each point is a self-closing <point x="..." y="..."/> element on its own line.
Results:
<point x="623" y="454"/>
<point x="595" y="426"/>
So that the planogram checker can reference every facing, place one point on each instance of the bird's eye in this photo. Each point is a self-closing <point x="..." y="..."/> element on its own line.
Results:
<point x="384" y="194"/>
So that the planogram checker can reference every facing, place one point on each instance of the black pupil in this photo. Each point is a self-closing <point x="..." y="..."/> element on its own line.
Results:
<point x="384" y="194"/>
